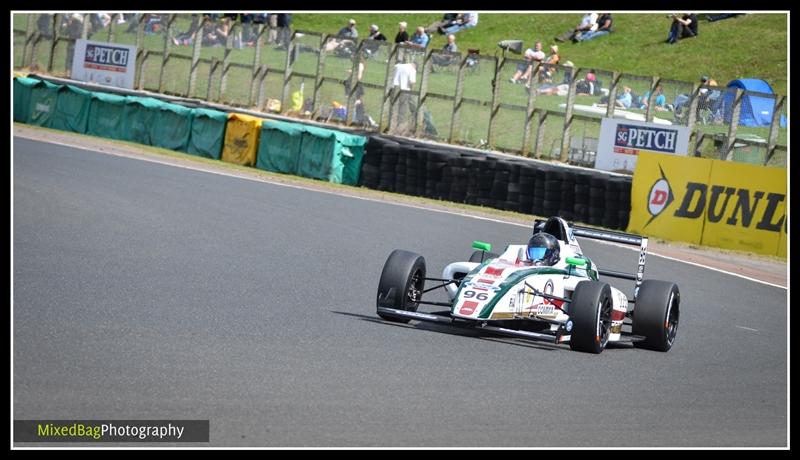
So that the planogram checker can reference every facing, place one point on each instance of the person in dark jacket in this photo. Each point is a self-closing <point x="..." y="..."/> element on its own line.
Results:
<point x="683" y="26"/>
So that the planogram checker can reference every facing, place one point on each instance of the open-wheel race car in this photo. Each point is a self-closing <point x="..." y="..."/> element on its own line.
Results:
<point x="545" y="290"/>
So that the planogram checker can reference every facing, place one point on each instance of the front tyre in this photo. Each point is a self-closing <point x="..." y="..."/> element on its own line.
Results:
<point x="656" y="314"/>
<point x="401" y="284"/>
<point x="590" y="313"/>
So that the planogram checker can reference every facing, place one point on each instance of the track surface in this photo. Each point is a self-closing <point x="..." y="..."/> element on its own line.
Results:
<point x="143" y="291"/>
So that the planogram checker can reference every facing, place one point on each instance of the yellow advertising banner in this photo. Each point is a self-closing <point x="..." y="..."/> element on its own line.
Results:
<point x="241" y="139"/>
<point x="710" y="202"/>
<point x="660" y="184"/>
<point x="745" y="208"/>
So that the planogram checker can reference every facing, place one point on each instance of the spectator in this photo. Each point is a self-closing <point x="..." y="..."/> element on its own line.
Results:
<point x="345" y="38"/>
<point x="272" y="23"/>
<point x="683" y="26"/>
<point x="284" y="23"/>
<point x="532" y="56"/>
<point x="359" y="117"/>
<point x="375" y="33"/>
<point x="448" y="19"/>
<point x="549" y="63"/>
<point x="625" y="99"/>
<point x="588" y="23"/>
<point x="450" y="47"/>
<point x="604" y="27"/>
<point x="405" y="77"/>
<point x="720" y="17"/>
<point x="465" y="21"/>
<point x="659" y="103"/>
<point x="402" y="35"/>
<point x="709" y="100"/>
<point x="419" y="40"/>
<point x="587" y="86"/>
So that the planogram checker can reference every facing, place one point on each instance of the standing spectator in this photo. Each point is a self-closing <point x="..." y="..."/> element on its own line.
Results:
<point x="375" y="33"/>
<point x="683" y="26"/>
<point x="272" y="22"/>
<point x="405" y="77"/>
<point x="419" y="40"/>
<point x="284" y="23"/>
<point x="402" y="35"/>
<point x="604" y="27"/>
<point x="465" y="21"/>
<point x="588" y="24"/>
<point x="449" y="47"/>
<point x="72" y="29"/>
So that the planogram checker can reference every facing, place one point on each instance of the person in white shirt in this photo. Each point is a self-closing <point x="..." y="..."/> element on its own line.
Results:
<point x="405" y="77"/>
<point x="465" y="21"/>
<point x="588" y="24"/>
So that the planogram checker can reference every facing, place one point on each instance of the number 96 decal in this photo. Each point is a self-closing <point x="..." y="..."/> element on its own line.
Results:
<point x="470" y="294"/>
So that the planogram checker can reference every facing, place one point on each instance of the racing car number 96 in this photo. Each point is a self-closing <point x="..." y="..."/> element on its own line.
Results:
<point x="477" y="295"/>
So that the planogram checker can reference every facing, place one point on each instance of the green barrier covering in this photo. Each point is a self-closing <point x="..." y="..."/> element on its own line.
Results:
<point x="140" y="115"/>
<point x="72" y="109"/>
<point x="42" y="104"/>
<point x="22" y="97"/>
<point x="208" y="133"/>
<point x="279" y="147"/>
<point x="331" y="155"/>
<point x="106" y="113"/>
<point x="172" y="127"/>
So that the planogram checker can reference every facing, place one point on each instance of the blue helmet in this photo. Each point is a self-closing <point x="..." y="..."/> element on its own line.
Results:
<point x="543" y="249"/>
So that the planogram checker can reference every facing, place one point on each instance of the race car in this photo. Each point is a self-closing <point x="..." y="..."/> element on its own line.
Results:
<point x="546" y="290"/>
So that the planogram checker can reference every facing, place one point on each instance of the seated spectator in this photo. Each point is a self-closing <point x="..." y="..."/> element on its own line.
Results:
<point x="464" y="21"/>
<point x="588" y="85"/>
<point x="419" y="40"/>
<point x="588" y="23"/>
<point x="402" y="35"/>
<point x="604" y="27"/>
<point x="548" y="67"/>
<point x="448" y="19"/>
<point x="532" y="56"/>
<point x="450" y="47"/>
<point x="659" y="103"/>
<point x="720" y="17"/>
<point x="709" y="103"/>
<point x="683" y="26"/>
<point x="345" y="39"/>
<point x="374" y="34"/>
<point x="625" y="100"/>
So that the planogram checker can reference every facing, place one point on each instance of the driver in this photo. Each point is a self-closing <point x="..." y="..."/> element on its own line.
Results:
<point x="543" y="249"/>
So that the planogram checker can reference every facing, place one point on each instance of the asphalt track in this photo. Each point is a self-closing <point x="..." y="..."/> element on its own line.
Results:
<point x="144" y="291"/>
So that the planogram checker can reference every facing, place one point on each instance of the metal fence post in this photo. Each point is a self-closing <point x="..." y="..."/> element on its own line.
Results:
<point x="423" y="94"/>
<point x="774" y="127"/>
<point x="731" y="139"/>
<point x="56" y="35"/>
<point x="612" y="95"/>
<point x="29" y="31"/>
<point x="526" y="135"/>
<point x="693" y="117"/>
<point x="87" y="24"/>
<point x="498" y="65"/>
<point x="386" y="106"/>
<point x="254" y="78"/>
<point x="319" y="77"/>
<point x="287" y="73"/>
<point x="226" y="62"/>
<point x="650" y="113"/>
<point x="537" y="152"/>
<point x="565" y="138"/>
<point x="197" y="47"/>
<point x="167" y="48"/>
<point x="143" y="69"/>
<point x="140" y="51"/>
<point x="354" y="82"/>
<point x="112" y="26"/>
<point x="458" y="97"/>
<point x="211" y="70"/>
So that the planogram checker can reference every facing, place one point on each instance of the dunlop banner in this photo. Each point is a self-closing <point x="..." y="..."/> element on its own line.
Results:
<point x="745" y="207"/>
<point x="710" y="202"/>
<point x="658" y="188"/>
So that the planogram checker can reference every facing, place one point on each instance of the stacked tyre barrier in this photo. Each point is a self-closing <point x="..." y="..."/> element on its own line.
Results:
<point x="511" y="184"/>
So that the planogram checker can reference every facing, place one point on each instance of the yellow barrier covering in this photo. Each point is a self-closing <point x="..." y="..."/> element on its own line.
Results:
<point x="746" y="208"/>
<point x="241" y="139"/>
<point x="659" y="186"/>
<point x="710" y="202"/>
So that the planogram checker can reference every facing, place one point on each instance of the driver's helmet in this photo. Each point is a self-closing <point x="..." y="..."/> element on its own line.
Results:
<point x="543" y="249"/>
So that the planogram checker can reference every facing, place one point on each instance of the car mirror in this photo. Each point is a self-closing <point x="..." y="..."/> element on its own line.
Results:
<point x="576" y="261"/>
<point x="480" y="245"/>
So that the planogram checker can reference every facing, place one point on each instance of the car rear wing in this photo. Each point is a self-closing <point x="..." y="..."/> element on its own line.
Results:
<point x="614" y="237"/>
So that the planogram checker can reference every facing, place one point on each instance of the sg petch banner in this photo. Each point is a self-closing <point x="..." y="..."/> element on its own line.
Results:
<point x="622" y="141"/>
<point x="104" y="63"/>
<point x="710" y="202"/>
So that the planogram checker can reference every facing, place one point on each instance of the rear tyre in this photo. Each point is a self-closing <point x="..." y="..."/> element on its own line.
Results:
<point x="401" y="284"/>
<point x="656" y="314"/>
<point x="590" y="313"/>
<point x="476" y="256"/>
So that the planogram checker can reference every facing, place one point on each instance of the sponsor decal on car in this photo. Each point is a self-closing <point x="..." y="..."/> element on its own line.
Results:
<point x="468" y="307"/>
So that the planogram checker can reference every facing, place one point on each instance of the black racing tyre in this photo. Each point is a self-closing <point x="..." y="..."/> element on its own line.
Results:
<point x="404" y="275"/>
<point x="590" y="313"/>
<point x="656" y="314"/>
<point x="476" y="256"/>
